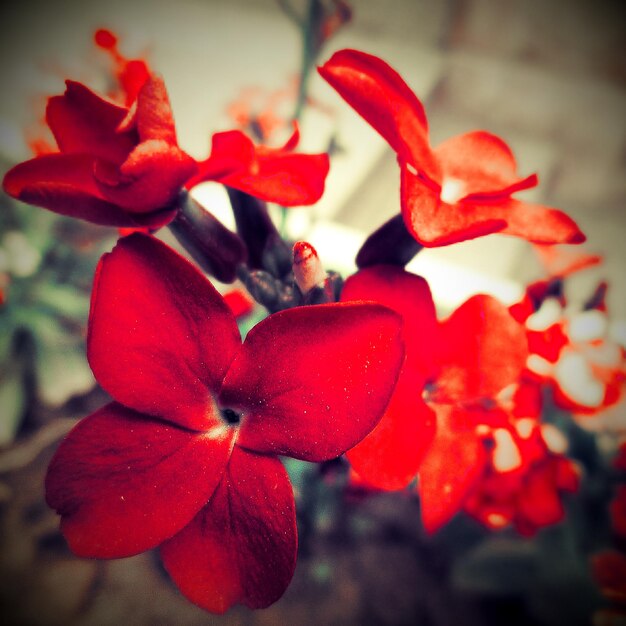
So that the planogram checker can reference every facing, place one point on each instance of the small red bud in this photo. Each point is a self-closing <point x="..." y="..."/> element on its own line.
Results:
<point x="307" y="267"/>
<point x="105" y="39"/>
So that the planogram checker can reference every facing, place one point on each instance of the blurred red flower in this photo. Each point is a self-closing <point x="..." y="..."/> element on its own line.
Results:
<point x="185" y="455"/>
<point x="115" y="166"/>
<point x="435" y="423"/>
<point x="523" y="480"/>
<point x="461" y="189"/>
<point x="130" y="74"/>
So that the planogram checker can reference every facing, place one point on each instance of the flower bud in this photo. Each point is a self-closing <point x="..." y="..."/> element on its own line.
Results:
<point x="307" y="267"/>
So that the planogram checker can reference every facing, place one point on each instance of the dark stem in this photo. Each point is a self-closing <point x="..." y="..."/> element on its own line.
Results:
<point x="216" y="249"/>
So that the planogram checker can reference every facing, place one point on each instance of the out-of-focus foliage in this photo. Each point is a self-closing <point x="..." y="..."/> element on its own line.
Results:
<point x="46" y="270"/>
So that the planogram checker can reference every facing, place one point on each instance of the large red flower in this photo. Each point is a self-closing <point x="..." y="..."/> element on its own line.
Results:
<point x="115" y="166"/>
<point x="453" y="370"/>
<point x="460" y="190"/>
<point x="272" y="174"/>
<point x="185" y="457"/>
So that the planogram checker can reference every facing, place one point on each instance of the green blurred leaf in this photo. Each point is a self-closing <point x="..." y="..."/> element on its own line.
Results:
<point x="12" y="405"/>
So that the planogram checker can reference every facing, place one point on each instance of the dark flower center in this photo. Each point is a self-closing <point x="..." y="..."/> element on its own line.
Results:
<point x="231" y="417"/>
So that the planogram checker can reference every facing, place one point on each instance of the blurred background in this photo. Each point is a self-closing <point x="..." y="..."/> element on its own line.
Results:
<point x="549" y="78"/>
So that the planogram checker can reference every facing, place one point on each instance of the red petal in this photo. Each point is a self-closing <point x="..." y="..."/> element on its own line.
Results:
<point x="482" y="161"/>
<point x="380" y="95"/>
<point x="483" y="349"/>
<point x="547" y="343"/>
<point x="528" y="398"/>
<point x="390" y="456"/>
<point x="151" y="178"/>
<point x="408" y="295"/>
<point x="83" y="122"/>
<point x="539" y="501"/>
<point x="160" y="337"/>
<point x="313" y="381"/>
<point x="241" y="548"/>
<point x="273" y="175"/>
<point x="284" y="178"/>
<point x="560" y="261"/>
<point x="154" y="114"/>
<point x="124" y="483"/>
<point x="535" y="222"/>
<point x="452" y="466"/>
<point x="434" y="222"/>
<point x="64" y="184"/>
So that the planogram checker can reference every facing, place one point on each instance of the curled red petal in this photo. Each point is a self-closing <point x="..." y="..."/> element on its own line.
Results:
<point x="561" y="261"/>
<point x="452" y="466"/>
<point x="123" y="483"/>
<point x="482" y="162"/>
<point x="390" y="456"/>
<point x="82" y="122"/>
<point x="535" y="222"/>
<point x="380" y="95"/>
<point x="160" y="336"/>
<point x="483" y="349"/>
<point x="273" y="175"/>
<point x="409" y="295"/>
<point x="151" y="177"/>
<point x="313" y="381"/>
<point x="154" y="117"/>
<point x="284" y="178"/>
<point x="434" y="222"/>
<point x="241" y="548"/>
<point x="64" y="183"/>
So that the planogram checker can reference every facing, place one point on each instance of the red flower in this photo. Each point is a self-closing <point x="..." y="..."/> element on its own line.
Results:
<point x="617" y="510"/>
<point x="185" y="457"/>
<point x="115" y="166"/>
<point x="271" y="174"/>
<point x="460" y="190"/>
<point x="522" y="481"/>
<point x="609" y="570"/>
<point x="131" y="74"/>
<point x="451" y="372"/>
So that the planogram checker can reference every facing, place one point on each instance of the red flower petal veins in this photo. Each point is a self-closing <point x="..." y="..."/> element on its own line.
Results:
<point x="313" y="381"/>
<point x="160" y="336"/>
<point x="241" y="548"/>
<point x="113" y="477"/>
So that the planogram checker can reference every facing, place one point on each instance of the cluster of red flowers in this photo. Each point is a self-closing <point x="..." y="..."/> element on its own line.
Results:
<point x="367" y="369"/>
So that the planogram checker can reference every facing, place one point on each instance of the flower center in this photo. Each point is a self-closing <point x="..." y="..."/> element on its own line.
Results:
<point x="230" y="416"/>
<point x="452" y="190"/>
